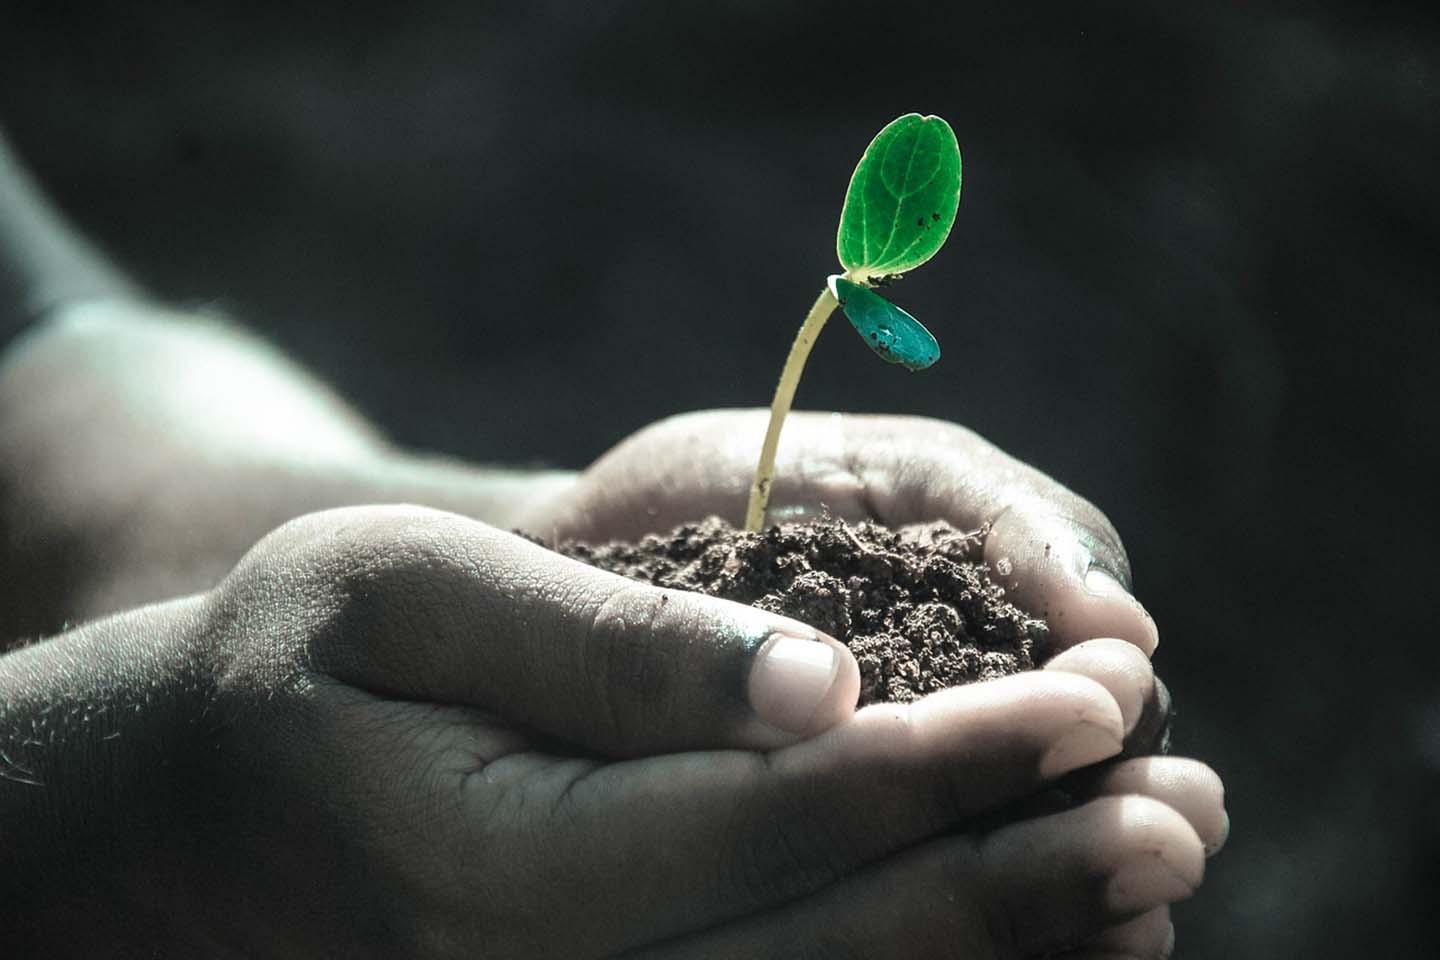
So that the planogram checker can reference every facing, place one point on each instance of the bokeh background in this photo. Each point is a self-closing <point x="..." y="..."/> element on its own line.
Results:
<point x="1194" y="276"/>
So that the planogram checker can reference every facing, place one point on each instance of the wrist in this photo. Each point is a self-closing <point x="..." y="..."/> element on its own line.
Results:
<point x="99" y="729"/>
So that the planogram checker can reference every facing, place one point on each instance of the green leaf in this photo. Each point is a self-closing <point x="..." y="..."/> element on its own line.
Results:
<point x="902" y="198"/>
<point x="891" y="332"/>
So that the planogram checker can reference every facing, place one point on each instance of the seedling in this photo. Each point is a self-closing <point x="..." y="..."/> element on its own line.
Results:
<point x="898" y="211"/>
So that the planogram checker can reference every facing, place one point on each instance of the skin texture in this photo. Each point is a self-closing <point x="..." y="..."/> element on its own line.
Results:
<point x="1057" y="554"/>
<point x="412" y="717"/>
<point x="352" y="725"/>
<point x="299" y="723"/>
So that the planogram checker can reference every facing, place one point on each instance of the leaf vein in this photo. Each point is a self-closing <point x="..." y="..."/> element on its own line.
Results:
<point x="899" y="198"/>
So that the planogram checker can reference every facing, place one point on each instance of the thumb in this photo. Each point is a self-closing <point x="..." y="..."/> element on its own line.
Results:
<point x="441" y="608"/>
<point x="1069" y="568"/>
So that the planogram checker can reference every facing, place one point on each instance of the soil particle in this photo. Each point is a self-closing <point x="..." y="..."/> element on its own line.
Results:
<point x="915" y="606"/>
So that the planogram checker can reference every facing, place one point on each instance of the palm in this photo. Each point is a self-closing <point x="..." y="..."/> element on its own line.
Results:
<point x="1056" y="555"/>
<point x="746" y="845"/>
<point x="690" y="467"/>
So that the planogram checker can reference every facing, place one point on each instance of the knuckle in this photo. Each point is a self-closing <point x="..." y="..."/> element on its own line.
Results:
<point x="315" y="591"/>
<point x="363" y="544"/>
<point x="336" y="545"/>
<point x="782" y="850"/>
<point x="633" y="668"/>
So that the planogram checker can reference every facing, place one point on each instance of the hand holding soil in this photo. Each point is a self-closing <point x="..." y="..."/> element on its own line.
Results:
<point x="1055" y="554"/>
<point x="391" y="731"/>
<point x="497" y="749"/>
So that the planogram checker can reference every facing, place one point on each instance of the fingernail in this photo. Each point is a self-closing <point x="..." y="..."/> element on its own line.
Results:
<point x="1146" y="882"/>
<point x="790" y="679"/>
<point x="1097" y="549"/>
<point x="1101" y="583"/>
<point x="1083" y="745"/>
<point x="1169" y="946"/>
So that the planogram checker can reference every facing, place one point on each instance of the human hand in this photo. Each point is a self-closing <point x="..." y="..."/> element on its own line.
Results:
<point x="399" y="732"/>
<point x="1057" y="555"/>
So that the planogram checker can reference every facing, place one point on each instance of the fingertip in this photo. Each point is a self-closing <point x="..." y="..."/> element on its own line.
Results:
<point x="1083" y="744"/>
<point x="1197" y="793"/>
<point x="1111" y="605"/>
<point x="1160" y="832"/>
<point x="1117" y="666"/>
<point x="1057" y="570"/>
<point x="1077" y="716"/>
<point x="1188" y="786"/>
<point x="1048" y="699"/>
<point x="1136" y="854"/>
<point x="1216" y="842"/>
<point x="1096" y="605"/>
<point x="1040" y="725"/>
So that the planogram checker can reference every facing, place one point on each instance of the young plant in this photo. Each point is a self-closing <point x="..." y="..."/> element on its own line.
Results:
<point x="898" y="211"/>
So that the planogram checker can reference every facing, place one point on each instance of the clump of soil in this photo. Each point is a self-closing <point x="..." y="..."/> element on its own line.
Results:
<point x="915" y="605"/>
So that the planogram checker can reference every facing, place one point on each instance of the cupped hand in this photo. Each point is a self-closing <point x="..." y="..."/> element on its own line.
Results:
<point x="424" y="737"/>
<point x="1056" y="554"/>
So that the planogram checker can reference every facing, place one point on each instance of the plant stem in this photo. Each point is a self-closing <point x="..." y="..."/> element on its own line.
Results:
<point x="825" y="305"/>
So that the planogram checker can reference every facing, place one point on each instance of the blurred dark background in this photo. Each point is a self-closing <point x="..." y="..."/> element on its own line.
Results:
<point x="1194" y="277"/>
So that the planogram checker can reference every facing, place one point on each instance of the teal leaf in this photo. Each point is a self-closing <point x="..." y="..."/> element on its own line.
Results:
<point x="891" y="332"/>
<point x="902" y="198"/>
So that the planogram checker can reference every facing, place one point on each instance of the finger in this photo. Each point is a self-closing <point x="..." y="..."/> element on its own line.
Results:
<point x="1037" y="886"/>
<point x="1188" y="786"/>
<point x="770" y="828"/>
<point x="1117" y="666"/>
<point x="1048" y="566"/>
<point x="1136" y="853"/>
<point x="422" y="605"/>
<point x="1056" y="554"/>
<point x="1120" y="666"/>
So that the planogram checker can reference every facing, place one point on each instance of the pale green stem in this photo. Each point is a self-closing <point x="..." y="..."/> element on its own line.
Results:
<point x="825" y="305"/>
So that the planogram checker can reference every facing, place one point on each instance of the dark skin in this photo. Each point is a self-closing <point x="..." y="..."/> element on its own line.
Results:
<point x="305" y="721"/>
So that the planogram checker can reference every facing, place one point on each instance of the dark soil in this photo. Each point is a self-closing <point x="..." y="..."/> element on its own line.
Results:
<point x="914" y="604"/>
